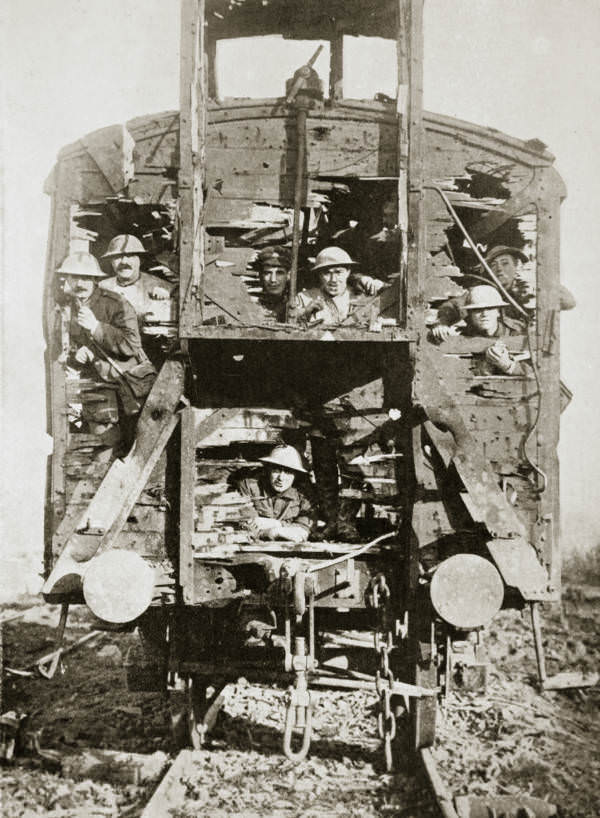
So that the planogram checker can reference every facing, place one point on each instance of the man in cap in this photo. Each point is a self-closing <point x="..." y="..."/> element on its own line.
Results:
<point x="484" y="318"/>
<point x="105" y="339"/>
<point x="331" y="302"/>
<point x="273" y="265"/>
<point x="284" y="510"/>
<point x="142" y="290"/>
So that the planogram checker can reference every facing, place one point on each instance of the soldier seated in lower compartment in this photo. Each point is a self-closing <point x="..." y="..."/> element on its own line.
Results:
<point x="105" y="345"/>
<point x="484" y="318"/>
<point x="331" y="302"/>
<point x="284" y="507"/>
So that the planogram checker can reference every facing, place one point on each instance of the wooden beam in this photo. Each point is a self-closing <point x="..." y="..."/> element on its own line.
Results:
<point x="192" y="163"/>
<point x="106" y="514"/>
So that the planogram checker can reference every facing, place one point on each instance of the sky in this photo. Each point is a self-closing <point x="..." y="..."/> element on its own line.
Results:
<point x="527" y="67"/>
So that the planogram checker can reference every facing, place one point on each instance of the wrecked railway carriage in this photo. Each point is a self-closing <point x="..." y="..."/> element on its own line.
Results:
<point x="449" y="475"/>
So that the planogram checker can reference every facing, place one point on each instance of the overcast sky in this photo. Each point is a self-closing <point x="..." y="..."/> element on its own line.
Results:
<point x="527" y="67"/>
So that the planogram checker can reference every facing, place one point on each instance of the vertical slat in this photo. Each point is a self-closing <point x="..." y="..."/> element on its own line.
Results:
<point x="336" y="66"/>
<point x="542" y="447"/>
<point x="403" y="110"/>
<point x="192" y="162"/>
<point x="57" y="424"/>
<point x="186" y="507"/>
<point x="416" y="222"/>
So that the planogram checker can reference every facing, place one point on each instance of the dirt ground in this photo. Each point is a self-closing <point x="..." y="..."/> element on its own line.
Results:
<point x="512" y="740"/>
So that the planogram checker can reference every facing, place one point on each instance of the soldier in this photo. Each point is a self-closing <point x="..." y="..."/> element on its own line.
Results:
<point x="484" y="318"/>
<point x="142" y="290"/>
<point x="382" y="250"/>
<point x="284" y="511"/>
<point x="505" y="263"/>
<point x="273" y="268"/>
<point x="105" y="343"/>
<point x="331" y="302"/>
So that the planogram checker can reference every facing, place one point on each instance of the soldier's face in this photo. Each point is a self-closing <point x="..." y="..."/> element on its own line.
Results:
<point x="389" y="215"/>
<point x="126" y="268"/>
<point x="504" y="268"/>
<point x="80" y="286"/>
<point x="334" y="280"/>
<point x="274" y="280"/>
<point x="280" y="478"/>
<point x="485" y="321"/>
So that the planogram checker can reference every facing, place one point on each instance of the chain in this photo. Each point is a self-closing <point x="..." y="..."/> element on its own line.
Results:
<point x="383" y="638"/>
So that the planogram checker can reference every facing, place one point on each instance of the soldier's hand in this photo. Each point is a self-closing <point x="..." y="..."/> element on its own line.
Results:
<point x="84" y="355"/>
<point x="442" y="332"/>
<point x="499" y="356"/>
<point x="86" y="319"/>
<point x="371" y="286"/>
<point x="159" y="293"/>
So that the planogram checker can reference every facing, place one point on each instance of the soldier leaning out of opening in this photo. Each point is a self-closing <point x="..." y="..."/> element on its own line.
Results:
<point x="142" y="290"/>
<point x="382" y="250"/>
<point x="507" y="265"/>
<point x="285" y="510"/>
<point x="104" y="342"/>
<point x="484" y="318"/>
<point x="273" y="265"/>
<point x="331" y="302"/>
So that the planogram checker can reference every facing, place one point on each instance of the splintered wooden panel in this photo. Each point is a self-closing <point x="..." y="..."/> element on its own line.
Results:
<point x="499" y="411"/>
<point x="254" y="159"/>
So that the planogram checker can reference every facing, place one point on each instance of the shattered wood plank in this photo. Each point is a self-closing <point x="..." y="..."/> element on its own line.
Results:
<point x="114" y="766"/>
<point x="118" y="492"/>
<point x="171" y="792"/>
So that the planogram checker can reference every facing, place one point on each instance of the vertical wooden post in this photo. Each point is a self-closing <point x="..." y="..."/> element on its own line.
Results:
<point x="186" y="504"/>
<point x="543" y="444"/>
<point x="192" y="165"/>
<point x="336" y="66"/>
<point x="411" y="16"/>
<point x="56" y="396"/>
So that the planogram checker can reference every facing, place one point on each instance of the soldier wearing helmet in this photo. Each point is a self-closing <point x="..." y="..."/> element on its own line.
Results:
<point x="142" y="290"/>
<point x="104" y="339"/>
<point x="484" y="317"/>
<point x="331" y="302"/>
<point x="506" y="264"/>
<point x="284" y="510"/>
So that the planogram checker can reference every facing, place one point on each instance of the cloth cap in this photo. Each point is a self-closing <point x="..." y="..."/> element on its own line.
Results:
<point x="484" y="297"/>
<point x="333" y="257"/>
<point x="501" y="250"/>
<point x="287" y="456"/>
<point x="277" y="256"/>
<point x="81" y="264"/>
<point x="124" y="245"/>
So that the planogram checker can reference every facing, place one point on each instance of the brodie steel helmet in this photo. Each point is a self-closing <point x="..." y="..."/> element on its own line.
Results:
<point x="124" y="245"/>
<point x="80" y="264"/>
<point x="333" y="257"/>
<point x="484" y="297"/>
<point x="286" y="456"/>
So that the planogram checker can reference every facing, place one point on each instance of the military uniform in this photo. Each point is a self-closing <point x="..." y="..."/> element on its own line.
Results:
<point x="291" y="506"/>
<point x="506" y="326"/>
<point x="138" y="295"/>
<point x="117" y="336"/>
<point x="381" y="257"/>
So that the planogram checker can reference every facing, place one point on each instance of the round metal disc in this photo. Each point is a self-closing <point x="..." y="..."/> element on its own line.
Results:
<point x="118" y="586"/>
<point x="467" y="591"/>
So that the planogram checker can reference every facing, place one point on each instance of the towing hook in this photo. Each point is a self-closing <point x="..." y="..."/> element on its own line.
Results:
<point x="298" y="717"/>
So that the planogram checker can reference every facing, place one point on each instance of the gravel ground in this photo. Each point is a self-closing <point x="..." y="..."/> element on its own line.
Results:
<point x="513" y="740"/>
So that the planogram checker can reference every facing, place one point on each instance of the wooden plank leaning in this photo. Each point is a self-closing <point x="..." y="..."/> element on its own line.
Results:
<point x="100" y="524"/>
